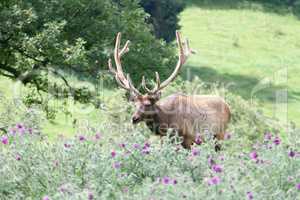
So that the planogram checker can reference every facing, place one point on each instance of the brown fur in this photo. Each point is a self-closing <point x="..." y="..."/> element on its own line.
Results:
<point x="188" y="115"/>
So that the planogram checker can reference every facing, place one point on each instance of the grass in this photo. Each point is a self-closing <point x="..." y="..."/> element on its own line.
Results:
<point x="255" y="50"/>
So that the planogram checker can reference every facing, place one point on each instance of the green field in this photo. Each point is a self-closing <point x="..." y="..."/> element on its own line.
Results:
<point x="252" y="51"/>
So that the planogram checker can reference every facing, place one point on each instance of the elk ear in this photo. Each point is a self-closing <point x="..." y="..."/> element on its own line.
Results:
<point x="131" y="96"/>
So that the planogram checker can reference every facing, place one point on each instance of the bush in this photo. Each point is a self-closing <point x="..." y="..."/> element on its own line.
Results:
<point x="14" y="111"/>
<point x="132" y="167"/>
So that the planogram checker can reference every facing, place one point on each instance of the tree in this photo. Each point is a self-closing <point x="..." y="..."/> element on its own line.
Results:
<point x="164" y="16"/>
<point x="45" y="40"/>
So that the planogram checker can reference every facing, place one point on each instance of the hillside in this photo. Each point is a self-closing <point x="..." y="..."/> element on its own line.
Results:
<point x="253" y="50"/>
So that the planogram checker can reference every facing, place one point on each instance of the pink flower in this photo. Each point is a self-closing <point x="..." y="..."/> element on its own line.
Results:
<point x="166" y="180"/>
<point x="268" y="136"/>
<point x="136" y="146"/>
<point x="122" y="145"/>
<point x="46" y="198"/>
<point x="90" y="196"/>
<point x="146" y="151"/>
<point x="18" y="157"/>
<point x="97" y="136"/>
<point x="113" y="153"/>
<point x="292" y="154"/>
<point x="117" y="165"/>
<point x="298" y="186"/>
<point x="217" y="168"/>
<point x="249" y="195"/>
<point x="146" y="145"/>
<point x="174" y="182"/>
<point x="30" y="130"/>
<point x="13" y="131"/>
<point x="66" y="145"/>
<point x="82" y="138"/>
<point x="227" y="136"/>
<point x="195" y="152"/>
<point x="198" y="139"/>
<point x="253" y="155"/>
<point x="277" y="141"/>
<point x="4" y="139"/>
<point x="214" y="180"/>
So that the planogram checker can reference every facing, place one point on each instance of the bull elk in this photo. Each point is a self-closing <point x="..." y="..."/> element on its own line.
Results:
<point x="187" y="114"/>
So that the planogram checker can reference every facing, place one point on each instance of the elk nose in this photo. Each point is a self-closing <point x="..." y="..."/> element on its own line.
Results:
<point x="136" y="119"/>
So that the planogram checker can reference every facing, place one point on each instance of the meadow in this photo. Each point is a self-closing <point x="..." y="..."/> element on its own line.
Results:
<point x="246" y="53"/>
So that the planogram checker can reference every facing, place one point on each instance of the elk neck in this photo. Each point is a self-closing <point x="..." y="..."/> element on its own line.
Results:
<point x="156" y="118"/>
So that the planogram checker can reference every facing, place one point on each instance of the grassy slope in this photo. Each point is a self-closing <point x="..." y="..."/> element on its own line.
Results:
<point x="247" y="48"/>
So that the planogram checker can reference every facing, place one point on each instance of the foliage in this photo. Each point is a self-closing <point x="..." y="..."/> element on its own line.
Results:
<point x="14" y="111"/>
<point x="44" y="42"/>
<point x="132" y="167"/>
<point x="164" y="16"/>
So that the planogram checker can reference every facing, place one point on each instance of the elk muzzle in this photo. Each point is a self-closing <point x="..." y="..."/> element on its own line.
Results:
<point x="136" y="118"/>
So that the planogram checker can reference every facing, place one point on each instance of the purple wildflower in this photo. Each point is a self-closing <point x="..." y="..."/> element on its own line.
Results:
<point x="292" y="154"/>
<point x="30" y="130"/>
<point x="19" y="126"/>
<point x="82" y="138"/>
<point x="253" y="155"/>
<point x="146" y="151"/>
<point x="214" y="180"/>
<point x="195" y="152"/>
<point x="298" y="186"/>
<point x="113" y="153"/>
<point x="13" y="131"/>
<point x="249" y="195"/>
<point x="125" y="189"/>
<point x="66" y="145"/>
<point x="277" y="141"/>
<point x="63" y="188"/>
<point x="166" y="180"/>
<point x="18" y="157"/>
<point x="46" y="198"/>
<point x="227" y="136"/>
<point x="122" y="145"/>
<point x="97" y="136"/>
<point x="217" y="168"/>
<point x="222" y="157"/>
<point x="4" y="139"/>
<point x="90" y="196"/>
<point x="198" y="139"/>
<point x="136" y="146"/>
<point x="22" y="131"/>
<point x="117" y="165"/>
<point x="268" y="136"/>
<point x="146" y="145"/>
<point x="210" y="161"/>
<point x="174" y="182"/>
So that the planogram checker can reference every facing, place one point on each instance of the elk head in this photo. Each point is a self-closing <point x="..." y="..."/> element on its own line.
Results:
<point x="145" y="103"/>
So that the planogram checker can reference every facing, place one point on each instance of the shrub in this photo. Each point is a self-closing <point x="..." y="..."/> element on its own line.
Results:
<point x="133" y="167"/>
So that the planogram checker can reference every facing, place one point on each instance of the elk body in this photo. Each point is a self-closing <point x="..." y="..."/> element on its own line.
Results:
<point x="189" y="115"/>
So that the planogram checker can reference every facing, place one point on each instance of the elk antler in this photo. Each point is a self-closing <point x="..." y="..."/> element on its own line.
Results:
<point x="183" y="54"/>
<point x="124" y="81"/>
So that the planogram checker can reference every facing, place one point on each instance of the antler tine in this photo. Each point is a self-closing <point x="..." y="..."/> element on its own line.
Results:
<point x="183" y="53"/>
<point x="125" y="48"/>
<point x="188" y="50"/>
<point x="122" y="80"/>
<point x="144" y="85"/>
<point x="157" y="86"/>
